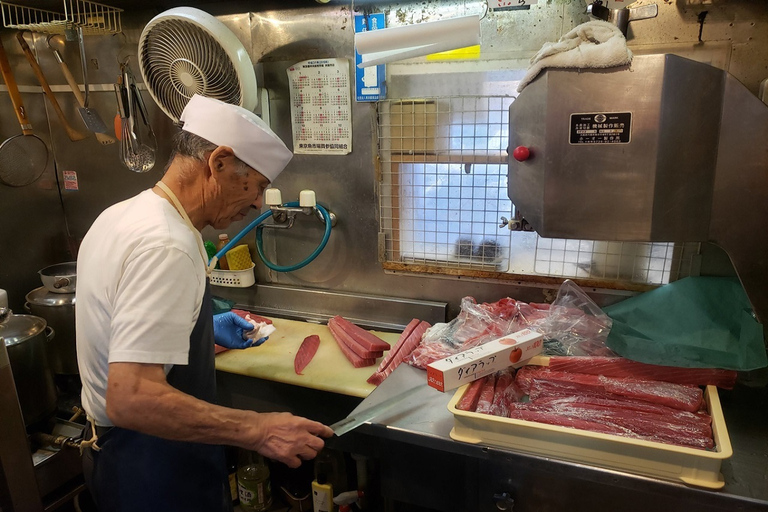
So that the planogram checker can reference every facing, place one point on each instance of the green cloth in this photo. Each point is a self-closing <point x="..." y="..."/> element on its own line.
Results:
<point x="221" y="305"/>
<point x="697" y="322"/>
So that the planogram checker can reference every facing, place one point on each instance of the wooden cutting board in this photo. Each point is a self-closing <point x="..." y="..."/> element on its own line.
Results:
<point x="329" y="370"/>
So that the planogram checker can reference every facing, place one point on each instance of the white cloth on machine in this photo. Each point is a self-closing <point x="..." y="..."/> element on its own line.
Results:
<point x="595" y="44"/>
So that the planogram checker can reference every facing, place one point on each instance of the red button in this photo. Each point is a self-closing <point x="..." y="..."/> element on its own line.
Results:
<point x="521" y="153"/>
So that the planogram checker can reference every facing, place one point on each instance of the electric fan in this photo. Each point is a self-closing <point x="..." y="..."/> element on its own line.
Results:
<point x="186" y="51"/>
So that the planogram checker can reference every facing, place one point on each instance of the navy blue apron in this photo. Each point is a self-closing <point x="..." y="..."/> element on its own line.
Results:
<point x="138" y="472"/>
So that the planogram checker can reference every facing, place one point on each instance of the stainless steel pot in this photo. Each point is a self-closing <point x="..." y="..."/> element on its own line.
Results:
<point x="26" y="337"/>
<point x="60" y="278"/>
<point x="58" y="310"/>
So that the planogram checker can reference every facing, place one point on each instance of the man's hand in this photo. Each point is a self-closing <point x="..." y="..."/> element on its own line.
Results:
<point x="228" y="329"/>
<point x="290" y="439"/>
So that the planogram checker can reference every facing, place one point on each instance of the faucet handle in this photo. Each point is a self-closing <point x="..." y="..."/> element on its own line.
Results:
<point x="307" y="199"/>
<point x="273" y="197"/>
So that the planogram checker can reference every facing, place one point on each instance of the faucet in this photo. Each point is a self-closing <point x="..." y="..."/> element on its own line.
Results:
<point x="283" y="216"/>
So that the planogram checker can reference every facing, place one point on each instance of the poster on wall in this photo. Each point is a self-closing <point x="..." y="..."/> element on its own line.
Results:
<point x="321" y="115"/>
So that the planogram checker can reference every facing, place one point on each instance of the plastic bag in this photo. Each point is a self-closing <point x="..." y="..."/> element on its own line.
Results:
<point x="572" y="325"/>
<point x="575" y="326"/>
<point x="476" y="324"/>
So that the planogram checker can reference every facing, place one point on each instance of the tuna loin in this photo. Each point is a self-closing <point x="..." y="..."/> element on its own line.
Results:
<point x="620" y="367"/>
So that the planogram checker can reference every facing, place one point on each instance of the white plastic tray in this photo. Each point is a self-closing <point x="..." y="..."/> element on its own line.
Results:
<point x="700" y="468"/>
<point x="234" y="278"/>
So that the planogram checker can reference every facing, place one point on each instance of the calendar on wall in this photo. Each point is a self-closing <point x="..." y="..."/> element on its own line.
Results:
<point x="321" y="114"/>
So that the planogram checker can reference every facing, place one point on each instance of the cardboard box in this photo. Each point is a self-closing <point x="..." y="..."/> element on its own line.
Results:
<point x="511" y="350"/>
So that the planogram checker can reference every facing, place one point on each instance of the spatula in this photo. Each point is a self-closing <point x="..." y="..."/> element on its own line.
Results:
<point x="103" y="138"/>
<point x="90" y="117"/>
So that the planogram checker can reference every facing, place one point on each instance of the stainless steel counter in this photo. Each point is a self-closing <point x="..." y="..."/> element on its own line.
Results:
<point x="423" y="421"/>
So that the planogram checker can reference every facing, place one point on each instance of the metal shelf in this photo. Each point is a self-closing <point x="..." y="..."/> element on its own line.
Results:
<point x="93" y="17"/>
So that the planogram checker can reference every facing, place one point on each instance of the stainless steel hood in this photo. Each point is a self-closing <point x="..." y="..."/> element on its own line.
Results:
<point x="666" y="149"/>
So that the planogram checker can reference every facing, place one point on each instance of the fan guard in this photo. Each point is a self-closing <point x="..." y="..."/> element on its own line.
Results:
<point x="186" y="51"/>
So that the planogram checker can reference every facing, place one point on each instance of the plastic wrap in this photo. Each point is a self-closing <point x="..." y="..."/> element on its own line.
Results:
<point x="620" y="367"/>
<point x="476" y="324"/>
<point x="572" y="325"/>
<point x="544" y="382"/>
<point x="575" y="325"/>
<point x="649" y="410"/>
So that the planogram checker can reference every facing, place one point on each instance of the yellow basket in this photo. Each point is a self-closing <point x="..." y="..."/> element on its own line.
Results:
<point x="239" y="258"/>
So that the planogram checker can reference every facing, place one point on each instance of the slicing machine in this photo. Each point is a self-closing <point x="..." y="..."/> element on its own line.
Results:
<point x="663" y="150"/>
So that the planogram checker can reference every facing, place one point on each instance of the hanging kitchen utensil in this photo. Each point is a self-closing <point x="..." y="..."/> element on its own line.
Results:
<point x="186" y="51"/>
<point x="135" y="154"/>
<point x="102" y="137"/>
<point x="23" y="157"/>
<point x="148" y="137"/>
<point x="73" y="134"/>
<point x="90" y="116"/>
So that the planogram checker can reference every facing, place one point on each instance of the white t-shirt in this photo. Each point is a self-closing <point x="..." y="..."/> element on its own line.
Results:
<point x="140" y="284"/>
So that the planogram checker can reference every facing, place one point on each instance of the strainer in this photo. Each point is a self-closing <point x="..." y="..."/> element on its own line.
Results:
<point x="23" y="157"/>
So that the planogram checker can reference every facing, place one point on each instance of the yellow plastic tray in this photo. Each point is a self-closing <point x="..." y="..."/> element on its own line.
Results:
<point x="699" y="468"/>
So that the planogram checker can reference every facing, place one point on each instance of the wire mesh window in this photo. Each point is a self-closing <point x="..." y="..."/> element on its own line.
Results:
<point x="444" y="203"/>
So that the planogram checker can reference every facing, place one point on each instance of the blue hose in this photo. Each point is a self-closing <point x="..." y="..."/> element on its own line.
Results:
<point x="318" y="249"/>
<point x="259" y="243"/>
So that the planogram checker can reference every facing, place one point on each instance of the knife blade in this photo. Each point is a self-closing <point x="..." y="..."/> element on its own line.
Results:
<point x="356" y="419"/>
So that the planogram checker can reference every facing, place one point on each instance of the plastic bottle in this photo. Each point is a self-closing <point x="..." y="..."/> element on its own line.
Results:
<point x="322" y="490"/>
<point x="223" y="240"/>
<point x="253" y="485"/>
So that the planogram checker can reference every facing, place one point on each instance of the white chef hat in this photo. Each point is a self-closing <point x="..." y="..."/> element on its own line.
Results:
<point x="230" y="125"/>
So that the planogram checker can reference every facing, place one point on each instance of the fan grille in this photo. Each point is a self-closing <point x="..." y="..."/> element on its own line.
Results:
<point x="180" y="59"/>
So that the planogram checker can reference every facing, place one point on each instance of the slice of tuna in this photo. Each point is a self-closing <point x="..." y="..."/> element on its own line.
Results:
<point x="306" y="352"/>
<point x="367" y="340"/>
<point x="343" y="336"/>
<point x="411" y="342"/>
<point x="620" y="367"/>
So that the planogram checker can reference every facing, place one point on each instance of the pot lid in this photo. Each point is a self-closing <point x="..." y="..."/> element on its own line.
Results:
<point x="19" y="328"/>
<point x="44" y="297"/>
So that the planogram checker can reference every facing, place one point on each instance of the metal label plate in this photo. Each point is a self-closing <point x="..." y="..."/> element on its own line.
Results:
<point x="601" y="128"/>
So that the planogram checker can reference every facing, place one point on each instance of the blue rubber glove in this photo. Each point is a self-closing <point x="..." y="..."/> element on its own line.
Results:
<point x="228" y="329"/>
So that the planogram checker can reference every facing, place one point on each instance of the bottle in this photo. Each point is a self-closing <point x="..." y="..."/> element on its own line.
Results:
<point x="223" y="240"/>
<point x="322" y="490"/>
<point x="232" y="454"/>
<point x="253" y="485"/>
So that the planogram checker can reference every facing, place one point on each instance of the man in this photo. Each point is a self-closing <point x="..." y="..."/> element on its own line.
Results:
<point x="145" y="330"/>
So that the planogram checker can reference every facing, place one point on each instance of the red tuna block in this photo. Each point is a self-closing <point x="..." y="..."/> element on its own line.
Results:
<point x="620" y="367"/>
<point x="677" y="396"/>
<point x="306" y="352"/>
<point x="369" y="341"/>
<point x="356" y="360"/>
<point x="485" y="402"/>
<point x="256" y="318"/>
<point x="343" y="336"/>
<point x="469" y="400"/>
<point x="539" y="414"/>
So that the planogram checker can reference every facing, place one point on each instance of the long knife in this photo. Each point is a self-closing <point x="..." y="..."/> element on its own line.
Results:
<point x="356" y="419"/>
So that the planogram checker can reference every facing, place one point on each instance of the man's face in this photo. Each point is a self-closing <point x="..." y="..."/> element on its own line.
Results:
<point x="237" y="193"/>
